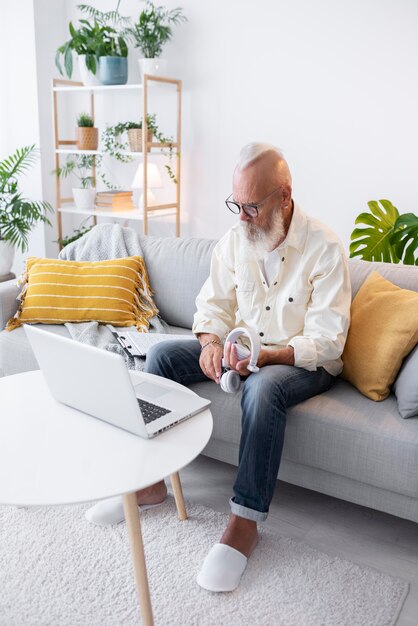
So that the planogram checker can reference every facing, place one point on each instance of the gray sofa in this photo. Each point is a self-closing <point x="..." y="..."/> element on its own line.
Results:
<point x="339" y="443"/>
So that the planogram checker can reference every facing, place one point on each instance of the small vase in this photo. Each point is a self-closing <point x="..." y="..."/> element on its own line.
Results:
<point x="84" y="198"/>
<point x="7" y="254"/>
<point x="87" y="138"/>
<point x="135" y="139"/>
<point x="113" y="70"/>
<point x="87" y="77"/>
<point x="155" y="67"/>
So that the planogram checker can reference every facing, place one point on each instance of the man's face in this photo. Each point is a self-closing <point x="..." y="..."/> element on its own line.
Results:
<point x="252" y="186"/>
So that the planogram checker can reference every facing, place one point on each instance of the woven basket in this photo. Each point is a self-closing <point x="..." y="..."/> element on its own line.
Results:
<point x="135" y="139"/>
<point x="87" y="138"/>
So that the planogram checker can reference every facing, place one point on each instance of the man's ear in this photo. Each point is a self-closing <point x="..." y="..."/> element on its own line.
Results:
<point x="287" y="195"/>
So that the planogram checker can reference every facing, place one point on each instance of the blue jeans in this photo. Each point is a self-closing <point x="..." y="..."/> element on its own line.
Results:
<point x="265" y="398"/>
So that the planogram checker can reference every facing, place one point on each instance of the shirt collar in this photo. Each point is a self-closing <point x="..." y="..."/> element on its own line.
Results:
<point x="296" y="235"/>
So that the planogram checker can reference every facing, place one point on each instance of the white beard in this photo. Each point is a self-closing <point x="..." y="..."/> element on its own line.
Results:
<point x="263" y="240"/>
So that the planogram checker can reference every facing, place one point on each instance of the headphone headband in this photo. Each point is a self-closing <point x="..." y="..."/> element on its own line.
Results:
<point x="254" y="341"/>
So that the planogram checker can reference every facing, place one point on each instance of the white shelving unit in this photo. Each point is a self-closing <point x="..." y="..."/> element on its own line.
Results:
<point x="66" y="205"/>
<point x="132" y="214"/>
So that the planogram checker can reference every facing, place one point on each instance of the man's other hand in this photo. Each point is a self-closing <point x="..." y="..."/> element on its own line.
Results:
<point x="211" y="358"/>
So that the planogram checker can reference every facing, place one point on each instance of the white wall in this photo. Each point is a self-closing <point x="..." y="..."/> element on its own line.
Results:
<point x="19" y="115"/>
<point x="334" y="84"/>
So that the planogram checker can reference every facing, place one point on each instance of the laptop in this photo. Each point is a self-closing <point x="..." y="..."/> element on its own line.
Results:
<point x="98" y="383"/>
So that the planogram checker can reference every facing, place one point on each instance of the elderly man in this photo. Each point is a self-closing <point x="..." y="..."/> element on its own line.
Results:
<point x="284" y="275"/>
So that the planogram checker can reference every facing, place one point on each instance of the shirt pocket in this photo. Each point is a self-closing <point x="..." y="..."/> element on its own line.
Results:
<point x="295" y="308"/>
<point x="245" y="297"/>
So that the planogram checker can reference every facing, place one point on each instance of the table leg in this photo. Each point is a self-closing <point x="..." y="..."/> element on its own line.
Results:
<point x="178" y="496"/>
<point x="133" y="523"/>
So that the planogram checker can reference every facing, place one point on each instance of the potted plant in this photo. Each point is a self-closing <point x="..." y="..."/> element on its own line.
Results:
<point x="151" y="32"/>
<point x="111" y="50"/>
<point x="84" y="41"/>
<point x="115" y="146"/>
<point x="135" y="133"/>
<point x="389" y="236"/>
<point x="80" y="166"/>
<point x="18" y="215"/>
<point x="87" y="135"/>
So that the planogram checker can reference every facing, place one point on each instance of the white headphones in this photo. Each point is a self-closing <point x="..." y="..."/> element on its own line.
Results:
<point x="231" y="381"/>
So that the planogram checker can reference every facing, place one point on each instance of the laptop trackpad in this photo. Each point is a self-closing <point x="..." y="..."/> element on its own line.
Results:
<point x="151" y="391"/>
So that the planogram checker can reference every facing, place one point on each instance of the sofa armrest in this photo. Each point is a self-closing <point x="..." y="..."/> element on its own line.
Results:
<point x="8" y="302"/>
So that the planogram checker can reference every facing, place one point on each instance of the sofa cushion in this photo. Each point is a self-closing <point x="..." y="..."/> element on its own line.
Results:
<point x="177" y="269"/>
<point x="406" y="386"/>
<point x="339" y="431"/>
<point x="113" y="292"/>
<point x="383" y="330"/>
<point x="16" y="355"/>
<point x="405" y="276"/>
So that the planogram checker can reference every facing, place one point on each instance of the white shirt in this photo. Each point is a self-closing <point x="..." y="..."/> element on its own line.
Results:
<point x="271" y="265"/>
<point x="306" y="306"/>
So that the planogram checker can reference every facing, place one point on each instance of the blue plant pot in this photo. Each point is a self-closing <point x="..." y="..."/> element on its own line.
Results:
<point x="113" y="70"/>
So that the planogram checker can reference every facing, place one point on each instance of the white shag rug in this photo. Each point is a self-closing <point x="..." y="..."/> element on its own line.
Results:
<point x="58" y="570"/>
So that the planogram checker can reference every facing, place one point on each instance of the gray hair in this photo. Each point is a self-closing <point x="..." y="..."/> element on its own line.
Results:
<point x="253" y="151"/>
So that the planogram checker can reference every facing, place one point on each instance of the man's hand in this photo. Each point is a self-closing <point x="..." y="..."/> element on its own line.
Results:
<point x="211" y="357"/>
<point x="231" y="357"/>
<point x="265" y="357"/>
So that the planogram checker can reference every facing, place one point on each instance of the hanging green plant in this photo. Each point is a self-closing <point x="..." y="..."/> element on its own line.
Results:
<point x="77" y="233"/>
<point x="114" y="144"/>
<point x="388" y="236"/>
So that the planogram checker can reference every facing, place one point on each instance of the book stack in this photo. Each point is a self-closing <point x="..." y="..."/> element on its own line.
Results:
<point x="115" y="200"/>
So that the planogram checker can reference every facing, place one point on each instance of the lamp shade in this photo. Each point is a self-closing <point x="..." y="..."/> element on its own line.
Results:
<point x="153" y="177"/>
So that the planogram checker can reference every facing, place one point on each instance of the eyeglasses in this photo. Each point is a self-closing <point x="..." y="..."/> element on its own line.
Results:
<point x="251" y="210"/>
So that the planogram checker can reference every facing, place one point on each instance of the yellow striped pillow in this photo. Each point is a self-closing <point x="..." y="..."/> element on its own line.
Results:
<point x="111" y="292"/>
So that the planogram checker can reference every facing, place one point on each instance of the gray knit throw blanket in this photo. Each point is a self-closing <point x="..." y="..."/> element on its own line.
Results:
<point x="103" y="242"/>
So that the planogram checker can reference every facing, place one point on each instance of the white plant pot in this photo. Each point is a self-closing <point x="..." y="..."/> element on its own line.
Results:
<point x="7" y="254"/>
<point x="155" y="67"/>
<point x="87" y="77"/>
<point x="84" y="198"/>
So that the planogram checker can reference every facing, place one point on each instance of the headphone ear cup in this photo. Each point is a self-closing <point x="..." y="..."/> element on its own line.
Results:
<point x="231" y="382"/>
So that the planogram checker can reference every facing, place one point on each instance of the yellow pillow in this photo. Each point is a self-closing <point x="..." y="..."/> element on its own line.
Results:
<point x="383" y="330"/>
<point x="111" y="292"/>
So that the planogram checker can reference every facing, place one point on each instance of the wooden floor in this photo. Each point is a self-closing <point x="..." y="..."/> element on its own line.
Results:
<point x="362" y="535"/>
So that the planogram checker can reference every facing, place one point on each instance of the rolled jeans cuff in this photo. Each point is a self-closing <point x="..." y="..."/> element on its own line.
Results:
<point x="246" y="513"/>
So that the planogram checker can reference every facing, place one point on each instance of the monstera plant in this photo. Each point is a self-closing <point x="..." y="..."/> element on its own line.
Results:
<point x="387" y="236"/>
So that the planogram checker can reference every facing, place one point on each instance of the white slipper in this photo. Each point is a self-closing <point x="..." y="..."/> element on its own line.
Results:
<point x="222" y="568"/>
<point x="110" y="511"/>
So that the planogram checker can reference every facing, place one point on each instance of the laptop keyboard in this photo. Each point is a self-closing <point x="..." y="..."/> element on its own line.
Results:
<point x="151" y="412"/>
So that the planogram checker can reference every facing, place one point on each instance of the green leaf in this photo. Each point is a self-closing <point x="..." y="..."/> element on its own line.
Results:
<point x="72" y="30"/>
<point x="405" y="238"/>
<point x="68" y="60"/>
<point x="373" y="243"/>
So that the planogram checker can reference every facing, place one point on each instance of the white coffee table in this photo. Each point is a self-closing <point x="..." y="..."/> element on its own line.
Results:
<point x="51" y="454"/>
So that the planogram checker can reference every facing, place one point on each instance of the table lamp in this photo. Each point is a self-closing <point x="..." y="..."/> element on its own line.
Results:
<point x="153" y="182"/>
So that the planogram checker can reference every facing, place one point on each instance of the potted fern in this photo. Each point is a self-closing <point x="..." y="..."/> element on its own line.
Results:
<point x="389" y="236"/>
<point x="18" y="215"/>
<point x="87" y="135"/>
<point x="151" y="32"/>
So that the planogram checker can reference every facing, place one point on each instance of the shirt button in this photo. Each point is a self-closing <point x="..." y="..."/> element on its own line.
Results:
<point x="261" y="334"/>
<point x="282" y="258"/>
<point x="236" y="286"/>
<point x="275" y="283"/>
<point x="267" y="308"/>
<point x="264" y="282"/>
<point x="290" y="299"/>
